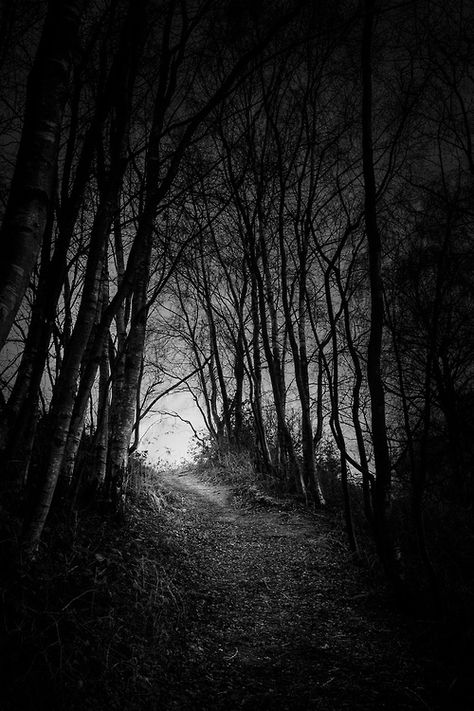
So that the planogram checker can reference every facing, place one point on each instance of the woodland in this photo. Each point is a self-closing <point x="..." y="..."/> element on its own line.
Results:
<point x="267" y="204"/>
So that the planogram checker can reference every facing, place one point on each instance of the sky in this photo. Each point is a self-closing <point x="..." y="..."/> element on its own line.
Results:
<point x="167" y="438"/>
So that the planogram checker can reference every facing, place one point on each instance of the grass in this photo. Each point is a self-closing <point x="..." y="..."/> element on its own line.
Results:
<point x="94" y="622"/>
<point x="249" y="486"/>
<point x="101" y="619"/>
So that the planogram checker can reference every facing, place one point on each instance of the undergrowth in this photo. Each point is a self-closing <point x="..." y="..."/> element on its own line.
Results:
<point x="100" y="619"/>
<point x="248" y="486"/>
<point x="94" y="621"/>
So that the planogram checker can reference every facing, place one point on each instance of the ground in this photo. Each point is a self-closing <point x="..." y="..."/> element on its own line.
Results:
<point x="284" y="618"/>
<point x="205" y="602"/>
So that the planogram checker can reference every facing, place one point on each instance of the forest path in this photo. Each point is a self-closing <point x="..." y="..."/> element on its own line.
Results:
<point x="281" y="617"/>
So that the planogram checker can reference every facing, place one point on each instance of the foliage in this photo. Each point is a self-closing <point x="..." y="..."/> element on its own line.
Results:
<point x="97" y="616"/>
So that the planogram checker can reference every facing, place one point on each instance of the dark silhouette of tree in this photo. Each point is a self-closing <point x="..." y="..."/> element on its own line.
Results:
<point x="32" y="185"/>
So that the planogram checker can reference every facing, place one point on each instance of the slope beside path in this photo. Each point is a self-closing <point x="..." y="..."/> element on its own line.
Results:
<point x="281" y="618"/>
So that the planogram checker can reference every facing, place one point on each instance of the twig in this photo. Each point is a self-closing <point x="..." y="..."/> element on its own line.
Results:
<point x="77" y="598"/>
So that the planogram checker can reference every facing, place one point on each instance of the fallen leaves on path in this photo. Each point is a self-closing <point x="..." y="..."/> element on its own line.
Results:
<point x="282" y="618"/>
<point x="201" y="602"/>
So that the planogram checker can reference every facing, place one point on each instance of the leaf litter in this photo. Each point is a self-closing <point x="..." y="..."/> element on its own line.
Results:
<point x="283" y="618"/>
<point x="202" y="601"/>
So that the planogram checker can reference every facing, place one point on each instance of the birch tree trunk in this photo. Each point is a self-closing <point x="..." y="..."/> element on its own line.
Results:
<point x="64" y="395"/>
<point x="53" y="274"/>
<point x="32" y="185"/>
<point x="92" y="361"/>
<point x="22" y="405"/>
<point x="123" y="408"/>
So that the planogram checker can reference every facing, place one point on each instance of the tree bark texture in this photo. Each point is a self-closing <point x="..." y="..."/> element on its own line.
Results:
<point x="123" y="409"/>
<point x="65" y="391"/>
<point x="33" y="181"/>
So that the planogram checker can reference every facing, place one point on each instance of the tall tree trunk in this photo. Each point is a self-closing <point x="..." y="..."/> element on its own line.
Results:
<point x="271" y="347"/>
<point x="64" y="395"/>
<point x="22" y="405"/>
<point x="310" y="472"/>
<point x="90" y="475"/>
<point x="308" y="477"/>
<point x="123" y="408"/>
<point x="239" y="377"/>
<point x="209" y="310"/>
<point x="91" y="363"/>
<point x="347" y="503"/>
<point x="53" y="274"/>
<point x="102" y="433"/>
<point x="31" y="190"/>
<point x="367" y="477"/>
<point x="382" y="488"/>
<point x="255" y="367"/>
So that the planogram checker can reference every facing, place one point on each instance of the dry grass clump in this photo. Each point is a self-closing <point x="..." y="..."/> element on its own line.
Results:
<point x="91" y="624"/>
<point x="249" y="486"/>
<point x="236" y="469"/>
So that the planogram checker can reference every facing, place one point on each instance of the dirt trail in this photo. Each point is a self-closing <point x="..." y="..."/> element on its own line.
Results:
<point x="282" y="618"/>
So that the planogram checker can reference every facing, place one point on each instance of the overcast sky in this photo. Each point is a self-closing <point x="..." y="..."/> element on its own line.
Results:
<point x="168" y="438"/>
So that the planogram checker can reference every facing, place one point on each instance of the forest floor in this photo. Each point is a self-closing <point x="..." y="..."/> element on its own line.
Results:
<point x="204" y="602"/>
<point x="284" y="619"/>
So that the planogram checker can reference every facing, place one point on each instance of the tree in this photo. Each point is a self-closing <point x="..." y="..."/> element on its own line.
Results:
<point x="53" y="271"/>
<point x="104" y="143"/>
<point x="383" y="466"/>
<point x="32" y="186"/>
